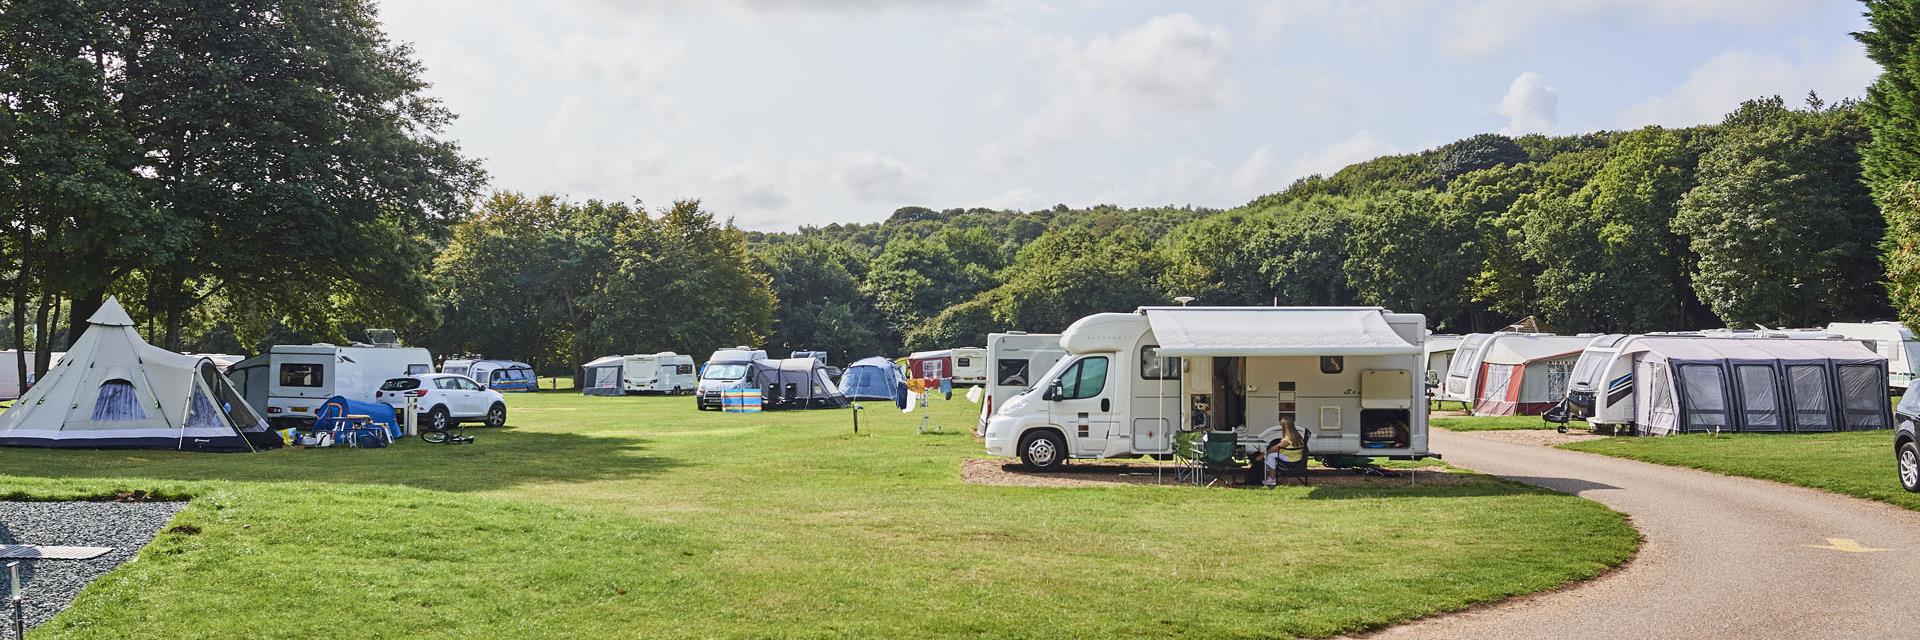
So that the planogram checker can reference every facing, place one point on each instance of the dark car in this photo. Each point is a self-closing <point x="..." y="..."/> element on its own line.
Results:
<point x="1906" y="444"/>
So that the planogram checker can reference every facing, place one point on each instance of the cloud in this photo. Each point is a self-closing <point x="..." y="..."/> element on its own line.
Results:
<point x="1485" y="27"/>
<point x="1721" y="83"/>
<point x="1017" y="198"/>
<point x="1530" y="106"/>
<point x="1326" y="160"/>
<point x="871" y="177"/>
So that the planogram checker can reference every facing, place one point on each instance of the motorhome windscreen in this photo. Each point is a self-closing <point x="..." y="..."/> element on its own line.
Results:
<point x="726" y="371"/>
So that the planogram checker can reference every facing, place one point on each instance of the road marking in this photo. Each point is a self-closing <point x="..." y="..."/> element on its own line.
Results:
<point x="1848" y="545"/>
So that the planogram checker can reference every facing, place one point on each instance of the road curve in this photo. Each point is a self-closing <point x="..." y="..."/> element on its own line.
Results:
<point x="1723" y="557"/>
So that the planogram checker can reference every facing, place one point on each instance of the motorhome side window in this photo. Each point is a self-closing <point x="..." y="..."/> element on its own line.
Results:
<point x="414" y="369"/>
<point x="1333" y="364"/>
<point x="1288" y="401"/>
<point x="302" y="375"/>
<point x="1085" y="379"/>
<point x="1154" y="367"/>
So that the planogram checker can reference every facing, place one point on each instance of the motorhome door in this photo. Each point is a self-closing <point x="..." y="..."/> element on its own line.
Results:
<point x="1084" y="408"/>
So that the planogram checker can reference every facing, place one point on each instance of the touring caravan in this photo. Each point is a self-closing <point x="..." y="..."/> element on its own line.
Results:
<point x="665" y="373"/>
<point x="965" y="365"/>
<point x="1344" y="376"/>
<point x="10" y="382"/>
<point x="1661" y="384"/>
<point x="1463" y="369"/>
<point x="1522" y="374"/>
<point x="1439" y="350"/>
<point x="290" y="381"/>
<point x="1890" y="339"/>
<point x="1012" y="362"/>
<point x="498" y="375"/>
<point x="969" y="366"/>
<point x="726" y="369"/>
<point x="930" y="365"/>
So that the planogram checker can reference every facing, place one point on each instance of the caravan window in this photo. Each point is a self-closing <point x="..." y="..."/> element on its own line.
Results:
<point x="1085" y="379"/>
<point x="684" y="370"/>
<point x="1706" y="388"/>
<point x="1811" y="401"/>
<point x="416" y="369"/>
<point x="1154" y="367"/>
<point x="963" y="362"/>
<point x="1012" y="372"/>
<point x="1861" y="387"/>
<point x="1759" y="396"/>
<point x="117" y="402"/>
<point x="1587" y="367"/>
<point x="1333" y="364"/>
<point x="303" y="374"/>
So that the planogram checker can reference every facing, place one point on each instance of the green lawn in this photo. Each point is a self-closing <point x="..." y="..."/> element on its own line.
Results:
<point x="640" y="517"/>
<point x="1856" y="463"/>
<point x="1499" y="423"/>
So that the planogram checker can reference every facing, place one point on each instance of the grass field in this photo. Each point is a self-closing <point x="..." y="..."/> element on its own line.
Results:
<point x="640" y="517"/>
<point x="1856" y="463"/>
<point x="1499" y="423"/>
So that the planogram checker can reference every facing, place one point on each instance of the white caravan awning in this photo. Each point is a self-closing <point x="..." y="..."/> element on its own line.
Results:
<point x="1275" y="331"/>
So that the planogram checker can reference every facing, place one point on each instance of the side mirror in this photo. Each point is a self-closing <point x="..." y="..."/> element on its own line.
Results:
<point x="1052" y="393"/>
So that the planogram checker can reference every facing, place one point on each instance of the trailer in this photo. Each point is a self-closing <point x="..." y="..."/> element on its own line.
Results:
<point x="1651" y="384"/>
<point x="290" y="381"/>
<point x="1013" y="361"/>
<point x="1345" y="377"/>
<point x="1890" y="339"/>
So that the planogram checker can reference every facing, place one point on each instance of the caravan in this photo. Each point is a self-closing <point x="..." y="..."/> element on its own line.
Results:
<point x="10" y="382"/>
<point x="498" y="375"/>
<point x="665" y="373"/>
<point x="965" y="365"/>
<point x="1678" y="383"/>
<point x="289" y="381"/>
<point x="1890" y="339"/>
<point x="1013" y="361"/>
<point x="1439" y="350"/>
<point x="1344" y="376"/>
<point x="1524" y="374"/>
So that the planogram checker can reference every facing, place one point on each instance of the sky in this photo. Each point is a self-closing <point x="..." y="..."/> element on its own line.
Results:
<point x="783" y="113"/>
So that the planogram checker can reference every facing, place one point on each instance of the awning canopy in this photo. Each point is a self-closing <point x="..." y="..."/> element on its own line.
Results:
<point x="1275" y="331"/>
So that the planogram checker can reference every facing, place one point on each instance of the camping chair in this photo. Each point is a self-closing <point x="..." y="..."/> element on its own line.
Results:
<point x="1296" y="468"/>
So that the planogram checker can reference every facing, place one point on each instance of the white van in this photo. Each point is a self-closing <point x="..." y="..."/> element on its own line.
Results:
<point x="290" y="381"/>
<point x="1890" y="339"/>
<point x="1014" y="361"/>
<point x="726" y="369"/>
<point x="1346" y="377"/>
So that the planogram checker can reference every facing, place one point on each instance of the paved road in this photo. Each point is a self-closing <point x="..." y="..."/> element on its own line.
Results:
<point x="1723" y="557"/>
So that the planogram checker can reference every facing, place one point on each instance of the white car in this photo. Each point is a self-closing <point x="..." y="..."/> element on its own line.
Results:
<point x="445" y="399"/>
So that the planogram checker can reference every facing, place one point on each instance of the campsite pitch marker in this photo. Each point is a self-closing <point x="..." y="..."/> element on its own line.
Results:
<point x="19" y="603"/>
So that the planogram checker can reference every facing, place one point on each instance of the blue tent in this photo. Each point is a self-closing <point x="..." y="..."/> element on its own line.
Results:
<point x="870" y="379"/>
<point x="337" y="408"/>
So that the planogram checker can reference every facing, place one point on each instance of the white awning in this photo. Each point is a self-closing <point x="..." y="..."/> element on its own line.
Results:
<point x="1275" y="331"/>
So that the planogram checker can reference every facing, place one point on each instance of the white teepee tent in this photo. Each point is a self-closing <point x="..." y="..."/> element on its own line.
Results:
<point x="114" y="390"/>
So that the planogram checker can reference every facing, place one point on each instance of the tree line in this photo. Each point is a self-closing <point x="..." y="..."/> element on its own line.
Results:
<point x="269" y="172"/>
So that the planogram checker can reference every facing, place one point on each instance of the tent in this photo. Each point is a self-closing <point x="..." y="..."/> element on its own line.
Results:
<point x="1692" y="385"/>
<point x="1522" y="374"/>
<point x="114" y="390"/>
<point x="603" y="377"/>
<point x="870" y="379"/>
<point x="378" y="413"/>
<point x="796" y="383"/>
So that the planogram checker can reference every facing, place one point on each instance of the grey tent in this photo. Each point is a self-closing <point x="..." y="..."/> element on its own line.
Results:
<point x="1692" y="385"/>
<point x="796" y="383"/>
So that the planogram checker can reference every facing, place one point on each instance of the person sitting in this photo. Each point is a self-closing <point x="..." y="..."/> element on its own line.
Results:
<point x="1289" y="451"/>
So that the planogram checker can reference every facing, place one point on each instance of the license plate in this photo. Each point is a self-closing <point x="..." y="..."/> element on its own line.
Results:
<point x="299" y="409"/>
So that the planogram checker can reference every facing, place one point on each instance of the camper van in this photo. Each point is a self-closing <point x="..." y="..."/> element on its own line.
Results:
<point x="1013" y="362"/>
<point x="290" y="381"/>
<point x="1655" y="384"/>
<point x="726" y="369"/>
<point x="665" y="373"/>
<point x="1890" y="339"/>
<point x="1346" y="377"/>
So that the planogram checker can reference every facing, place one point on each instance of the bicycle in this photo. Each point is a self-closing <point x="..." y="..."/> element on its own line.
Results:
<point x="451" y="435"/>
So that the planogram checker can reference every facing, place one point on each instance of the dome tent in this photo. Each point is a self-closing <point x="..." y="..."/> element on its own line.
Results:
<point x="870" y="379"/>
<point x="113" y="390"/>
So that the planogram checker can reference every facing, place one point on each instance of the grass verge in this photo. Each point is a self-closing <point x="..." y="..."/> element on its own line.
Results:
<point x="641" y="517"/>
<point x="1499" y="423"/>
<point x="1856" y="463"/>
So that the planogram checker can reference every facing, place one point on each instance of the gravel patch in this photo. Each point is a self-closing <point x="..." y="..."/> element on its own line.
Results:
<point x="51" y="584"/>
<point x="1542" y="437"/>
<point x="1084" y="473"/>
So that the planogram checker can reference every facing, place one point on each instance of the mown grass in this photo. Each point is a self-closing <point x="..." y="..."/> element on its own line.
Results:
<point x="640" y="517"/>
<point x="1499" y="423"/>
<point x="1855" y="463"/>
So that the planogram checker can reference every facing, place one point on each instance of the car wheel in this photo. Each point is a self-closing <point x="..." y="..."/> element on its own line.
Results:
<point x="1909" y="457"/>
<point x="497" y="415"/>
<point x="1043" y="451"/>
<point x="438" y="419"/>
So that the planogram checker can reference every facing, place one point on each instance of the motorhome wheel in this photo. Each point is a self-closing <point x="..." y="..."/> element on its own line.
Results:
<point x="497" y="415"/>
<point x="1910" y="466"/>
<point x="1043" y="451"/>
<point x="438" y="419"/>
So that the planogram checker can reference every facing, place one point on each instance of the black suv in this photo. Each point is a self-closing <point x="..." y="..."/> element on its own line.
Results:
<point x="1906" y="444"/>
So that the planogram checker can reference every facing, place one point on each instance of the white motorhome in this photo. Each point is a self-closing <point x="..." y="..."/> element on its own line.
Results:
<point x="1890" y="339"/>
<point x="290" y="381"/>
<point x="665" y="372"/>
<point x="725" y="369"/>
<point x="1344" y="376"/>
<point x="1014" y="360"/>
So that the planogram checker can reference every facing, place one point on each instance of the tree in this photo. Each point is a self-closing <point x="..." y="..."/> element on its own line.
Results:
<point x="820" y="306"/>
<point x="1071" y="273"/>
<point x="1483" y="151"/>
<point x="682" y="282"/>
<point x="1891" y="157"/>
<point x="1783" y="227"/>
<point x="1292" y="254"/>
<point x="913" y="279"/>
<point x="1415" y="251"/>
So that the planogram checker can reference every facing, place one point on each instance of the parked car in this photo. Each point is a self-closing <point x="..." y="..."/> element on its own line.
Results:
<point x="1906" y="444"/>
<point x="445" y="399"/>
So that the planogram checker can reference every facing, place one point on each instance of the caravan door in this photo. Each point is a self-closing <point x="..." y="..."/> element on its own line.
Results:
<point x="1084" y="408"/>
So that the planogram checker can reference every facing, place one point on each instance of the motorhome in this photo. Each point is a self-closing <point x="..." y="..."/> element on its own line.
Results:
<point x="290" y="381"/>
<point x="10" y="382"/>
<point x="1655" y="384"/>
<point x="1890" y="339"/>
<point x="1013" y="362"/>
<point x="664" y="373"/>
<point x="725" y="369"/>
<point x="1345" y="377"/>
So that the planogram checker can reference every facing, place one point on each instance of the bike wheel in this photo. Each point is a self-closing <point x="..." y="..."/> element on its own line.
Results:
<point x="435" y="437"/>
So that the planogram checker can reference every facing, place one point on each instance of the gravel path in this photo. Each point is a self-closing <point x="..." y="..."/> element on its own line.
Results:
<point x="1723" y="557"/>
<point x="51" y="584"/>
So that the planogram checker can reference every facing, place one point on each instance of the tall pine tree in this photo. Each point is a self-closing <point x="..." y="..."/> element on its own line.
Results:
<point x="1891" y="161"/>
